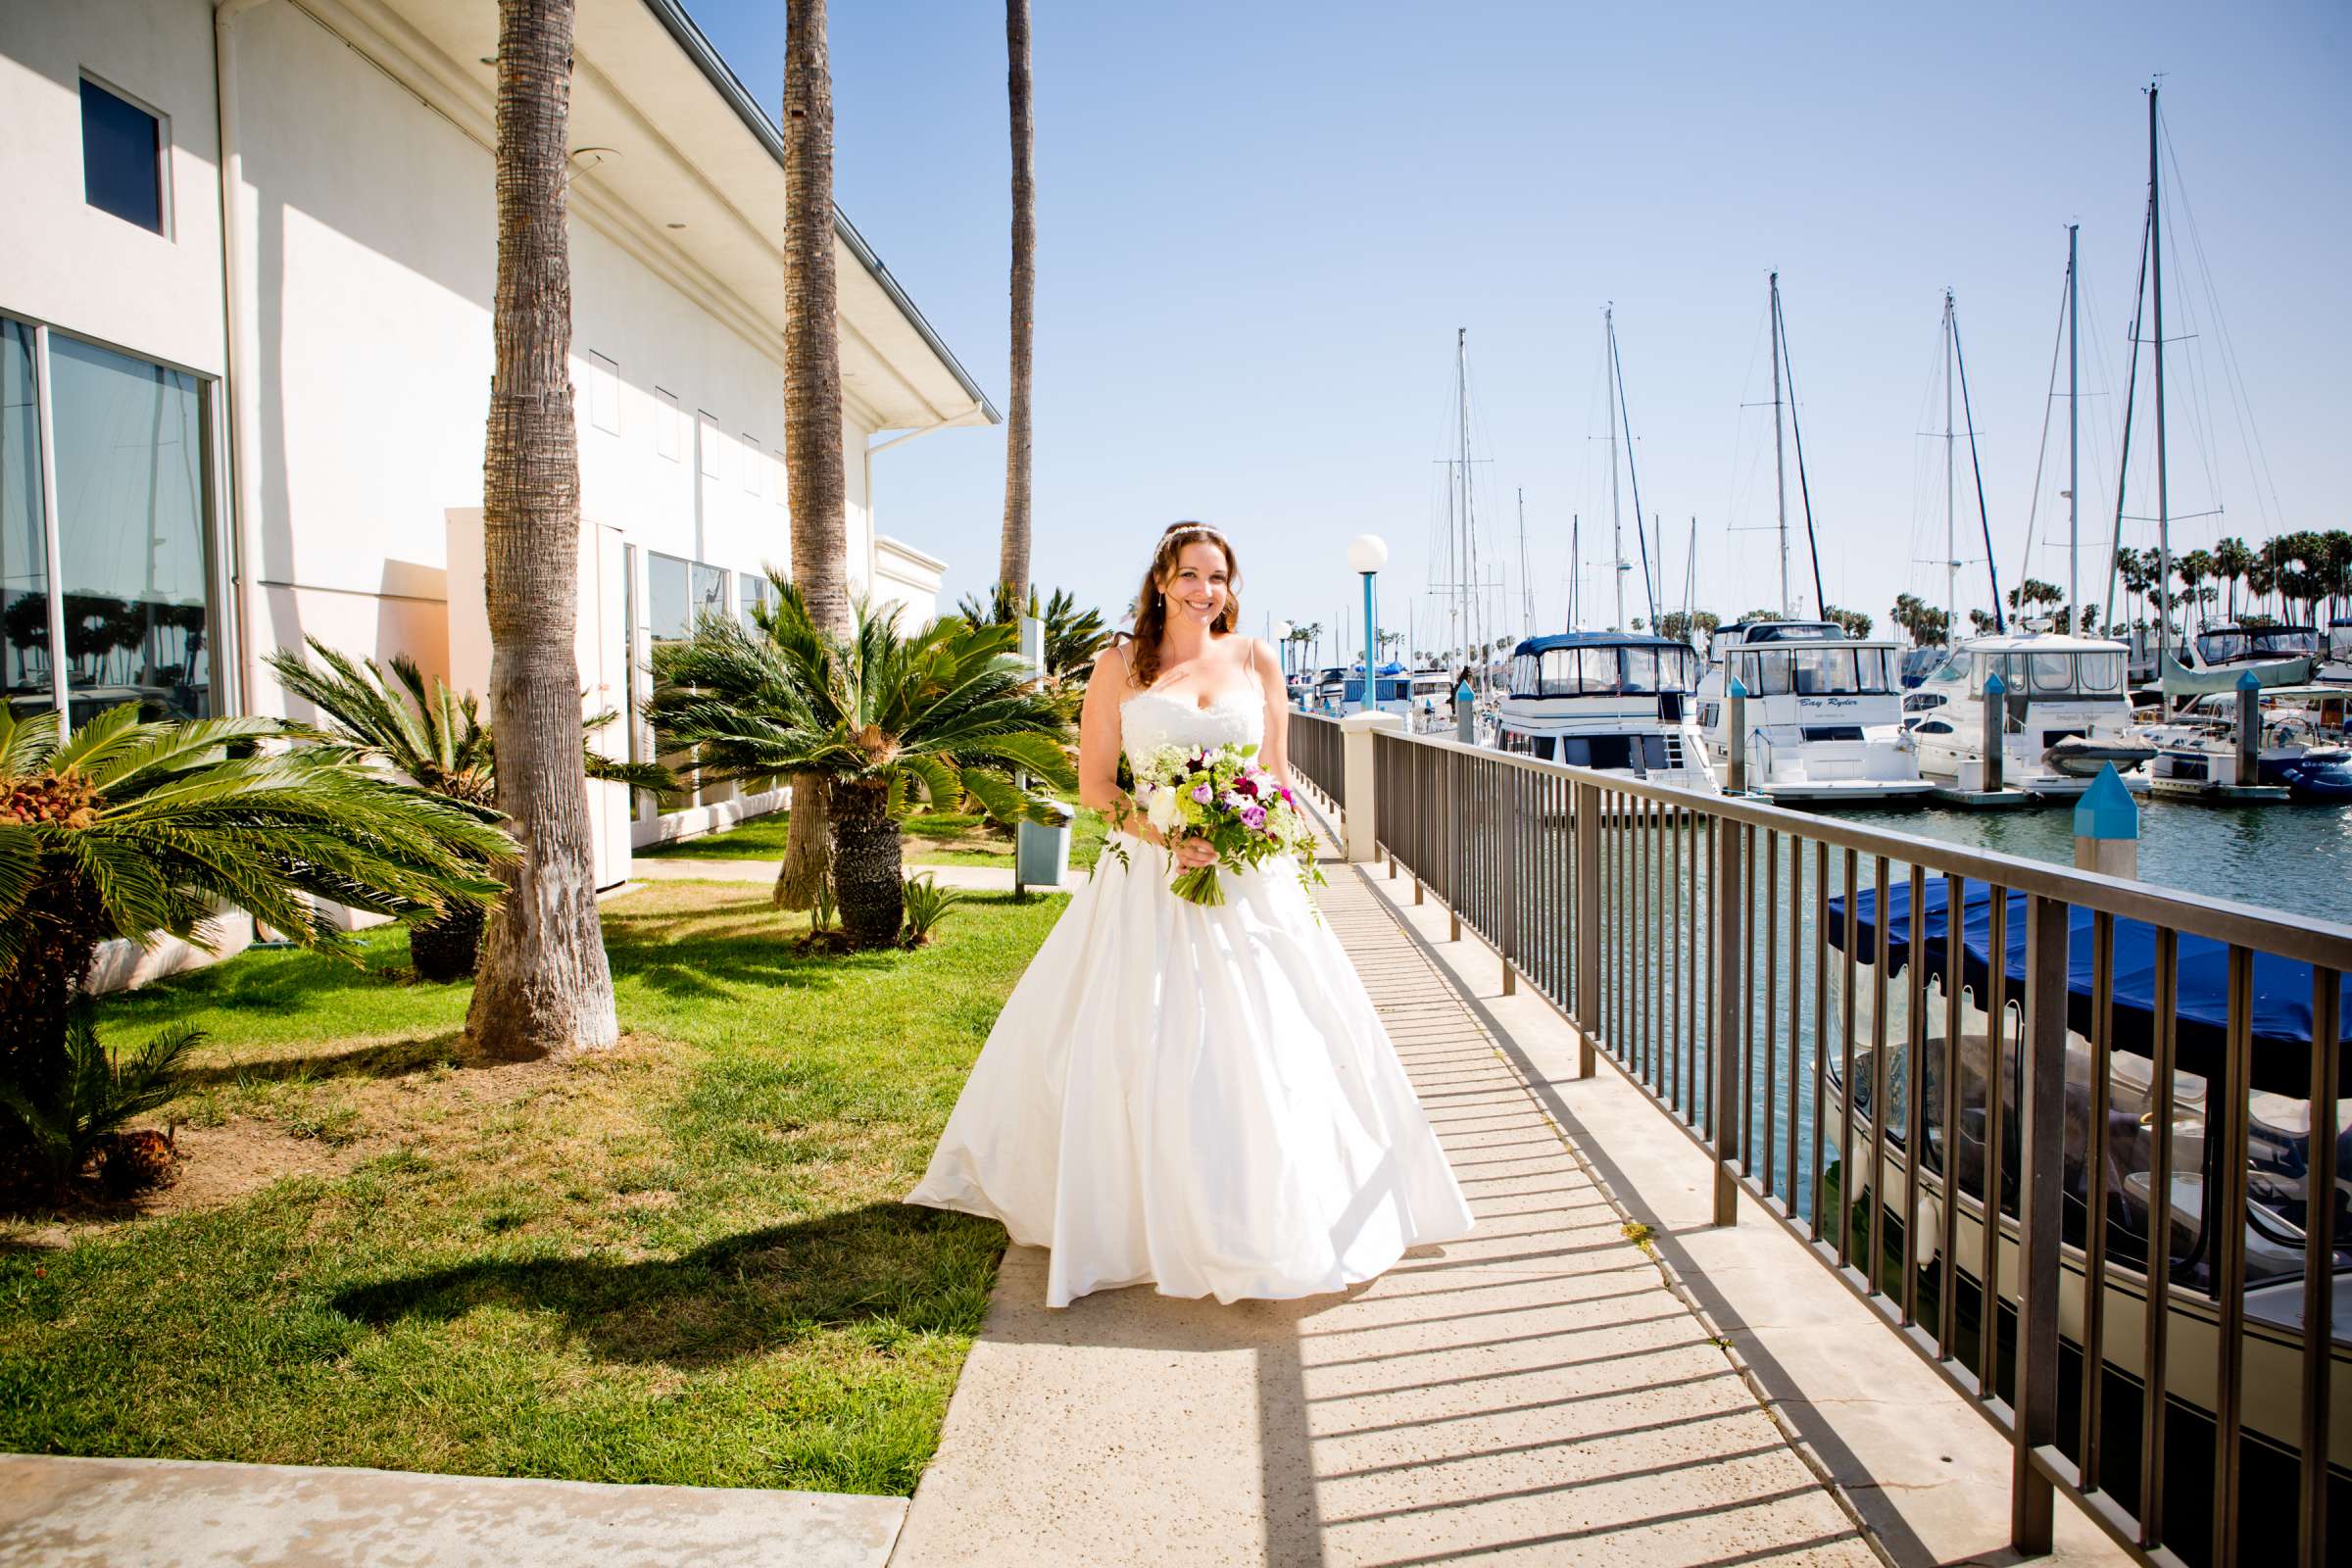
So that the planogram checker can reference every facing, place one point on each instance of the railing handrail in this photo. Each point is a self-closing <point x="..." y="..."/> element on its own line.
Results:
<point x="2308" y="938"/>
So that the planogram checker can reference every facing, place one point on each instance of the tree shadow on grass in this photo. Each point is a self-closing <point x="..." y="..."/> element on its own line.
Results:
<point x="268" y="981"/>
<point x="741" y="1296"/>
<point x="397" y="1058"/>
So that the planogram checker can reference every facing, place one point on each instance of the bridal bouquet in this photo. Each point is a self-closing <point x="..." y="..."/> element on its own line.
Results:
<point x="1221" y="795"/>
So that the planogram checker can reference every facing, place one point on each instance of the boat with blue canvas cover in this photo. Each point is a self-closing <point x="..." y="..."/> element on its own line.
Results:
<point x="2281" y="1128"/>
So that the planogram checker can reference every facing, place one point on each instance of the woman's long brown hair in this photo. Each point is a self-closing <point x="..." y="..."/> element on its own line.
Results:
<point x="1152" y="605"/>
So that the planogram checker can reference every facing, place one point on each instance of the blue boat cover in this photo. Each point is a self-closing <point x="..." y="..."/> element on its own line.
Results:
<point x="2281" y="986"/>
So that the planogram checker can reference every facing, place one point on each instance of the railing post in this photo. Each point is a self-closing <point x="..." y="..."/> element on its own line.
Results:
<point x="1730" y="999"/>
<point x="1506" y="807"/>
<point x="2249" y="729"/>
<point x="1996" y="730"/>
<point x="1360" y="815"/>
<point x="1735" y="729"/>
<point x="1587" y="925"/>
<point x="2043" y="1139"/>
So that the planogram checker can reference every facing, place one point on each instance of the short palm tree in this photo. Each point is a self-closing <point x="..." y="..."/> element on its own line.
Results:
<point x="1073" y="636"/>
<point x="136" y="830"/>
<point x="885" y="717"/>
<point x="439" y="740"/>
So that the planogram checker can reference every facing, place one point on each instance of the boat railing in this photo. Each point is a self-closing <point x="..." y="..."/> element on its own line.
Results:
<point x="1707" y="947"/>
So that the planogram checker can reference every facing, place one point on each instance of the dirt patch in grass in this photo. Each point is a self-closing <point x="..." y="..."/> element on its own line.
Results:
<point x="397" y="1110"/>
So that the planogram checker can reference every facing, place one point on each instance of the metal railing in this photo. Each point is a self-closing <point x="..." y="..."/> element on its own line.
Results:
<point x="1772" y="979"/>
<point x="1314" y="753"/>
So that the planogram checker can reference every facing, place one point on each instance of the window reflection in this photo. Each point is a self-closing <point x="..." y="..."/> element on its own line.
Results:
<point x="130" y="488"/>
<point x="23" y="557"/>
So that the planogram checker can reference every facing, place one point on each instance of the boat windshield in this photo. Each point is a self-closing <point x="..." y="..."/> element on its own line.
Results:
<point x="1817" y="671"/>
<point x="2222" y="647"/>
<point x="2055" y="673"/>
<point x="2284" y="641"/>
<point x="1606" y="671"/>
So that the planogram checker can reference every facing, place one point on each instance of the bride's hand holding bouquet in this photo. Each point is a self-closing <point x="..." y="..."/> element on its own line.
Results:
<point x="1214" y="805"/>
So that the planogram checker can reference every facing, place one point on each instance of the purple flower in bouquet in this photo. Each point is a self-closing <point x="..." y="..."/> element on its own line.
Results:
<point x="1254" y="815"/>
<point x="1203" y="794"/>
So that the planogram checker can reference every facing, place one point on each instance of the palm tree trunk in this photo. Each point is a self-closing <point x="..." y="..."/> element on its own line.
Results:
<point x="813" y="457"/>
<point x="1012" y="567"/>
<point x="545" y="986"/>
<point x="867" y="869"/>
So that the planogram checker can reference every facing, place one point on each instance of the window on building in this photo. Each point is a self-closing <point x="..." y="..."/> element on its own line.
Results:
<point x="707" y="436"/>
<point x="604" y="393"/>
<point x="121" y="157"/>
<point x="755" y="464"/>
<point x="669" y="424"/>
<point x="132" y="572"/>
<point x="24" y="548"/>
<point x="750" y="592"/>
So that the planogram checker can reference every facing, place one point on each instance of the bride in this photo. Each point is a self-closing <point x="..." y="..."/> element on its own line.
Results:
<point x="1198" y="1098"/>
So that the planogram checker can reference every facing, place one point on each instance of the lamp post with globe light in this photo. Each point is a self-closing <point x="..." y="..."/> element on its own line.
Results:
<point x="1367" y="552"/>
<point x="1280" y="631"/>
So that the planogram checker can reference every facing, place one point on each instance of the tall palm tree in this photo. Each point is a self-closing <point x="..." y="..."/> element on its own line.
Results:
<point x="544" y="987"/>
<point x="138" y="830"/>
<point x="882" y="716"/>
<point x="813" y="457"/>
<point x="2231" y="561"/>
<point x="438" y="739"/>
<point x="1012" y="567"/>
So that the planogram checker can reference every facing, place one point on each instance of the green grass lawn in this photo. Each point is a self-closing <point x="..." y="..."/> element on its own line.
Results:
<point x="933" y="838"/>
<point x="681" y="1261"/>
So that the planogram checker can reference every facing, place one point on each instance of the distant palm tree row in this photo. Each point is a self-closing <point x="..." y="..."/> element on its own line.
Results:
<point x="2304" y="576"/>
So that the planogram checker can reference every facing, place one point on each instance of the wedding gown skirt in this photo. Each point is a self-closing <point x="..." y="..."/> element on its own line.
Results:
<point x="1201" y="1098"/>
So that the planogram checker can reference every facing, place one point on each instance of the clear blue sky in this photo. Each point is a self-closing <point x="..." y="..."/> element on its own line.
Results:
<point x="1259" y="228"/>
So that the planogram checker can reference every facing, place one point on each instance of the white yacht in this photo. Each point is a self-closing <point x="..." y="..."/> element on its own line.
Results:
<point x="1616" y="700"/>
<point x="1824" y="714"/>
<point x="2064" y="715"/>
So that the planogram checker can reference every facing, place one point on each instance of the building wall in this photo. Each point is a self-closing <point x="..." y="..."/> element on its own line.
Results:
<point x="65" y="262"/>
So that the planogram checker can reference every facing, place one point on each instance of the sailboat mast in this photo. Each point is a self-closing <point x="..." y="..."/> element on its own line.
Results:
<point x="2073" y="426"/>
<point x="1527" y="586"/>
<point x="1576" y="562"/>
<point x="1470" y="605"/>
<point x="1780" y="472"/>
<point x="2164" y="513"/>
<point x="1951" y="545"/>
<point x="1608" y="318"/>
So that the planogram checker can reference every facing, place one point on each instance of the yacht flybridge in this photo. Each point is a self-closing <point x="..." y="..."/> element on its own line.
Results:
<point x="1615" y="701"/>
<point x="2064" y="715"/>
<point x="1823" y="713"/>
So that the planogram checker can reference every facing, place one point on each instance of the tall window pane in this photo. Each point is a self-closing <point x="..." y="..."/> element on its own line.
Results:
<point x="710" y="590"/>
<point x="667" y="616"/>
<point x="130" y="488"/>
<point x="23" y="565"/>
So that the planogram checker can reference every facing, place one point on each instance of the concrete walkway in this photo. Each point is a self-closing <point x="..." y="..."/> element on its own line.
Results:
<point x="1536" y="1393"/>
<point x="170" y="1514"/>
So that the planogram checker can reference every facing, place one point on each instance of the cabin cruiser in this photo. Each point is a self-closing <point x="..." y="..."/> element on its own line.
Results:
<point x="1824" y="714"/>
<point x="1615" y="701"/>
<point x="2279" y="1207"/>
<point x="2064" y="715"/>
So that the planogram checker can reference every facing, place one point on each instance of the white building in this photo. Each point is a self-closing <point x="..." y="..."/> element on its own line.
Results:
<point x="246" y="267"/>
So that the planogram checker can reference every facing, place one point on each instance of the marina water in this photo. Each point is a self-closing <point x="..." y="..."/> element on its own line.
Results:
<point x="2288" y="856"/>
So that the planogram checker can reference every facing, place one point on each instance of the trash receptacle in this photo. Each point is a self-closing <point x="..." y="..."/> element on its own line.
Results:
<point x="1042" y="850"/>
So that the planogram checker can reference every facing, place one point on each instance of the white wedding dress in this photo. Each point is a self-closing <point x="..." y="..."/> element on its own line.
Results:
<point x="1199" y="1098"/>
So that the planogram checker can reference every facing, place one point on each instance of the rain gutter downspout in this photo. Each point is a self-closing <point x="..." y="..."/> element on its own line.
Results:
<point x="240" y="352"/>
